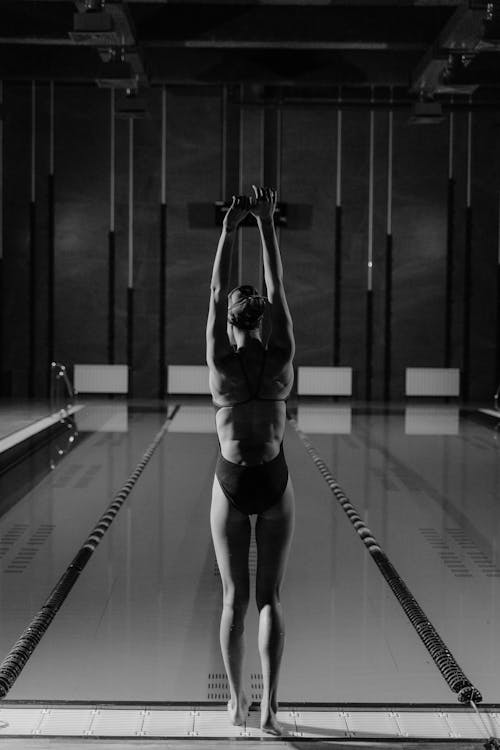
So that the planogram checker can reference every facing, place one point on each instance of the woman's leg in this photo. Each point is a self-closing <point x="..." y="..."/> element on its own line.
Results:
<point x="273" y="534"/>
<point x="231" y="535"/>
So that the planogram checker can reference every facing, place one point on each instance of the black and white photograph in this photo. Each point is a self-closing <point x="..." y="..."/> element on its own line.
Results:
<point x="249" y="374"/>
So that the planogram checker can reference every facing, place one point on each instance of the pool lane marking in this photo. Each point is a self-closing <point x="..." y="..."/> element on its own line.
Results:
<point x="440" y="653"/>
<point x="21" y="651"/>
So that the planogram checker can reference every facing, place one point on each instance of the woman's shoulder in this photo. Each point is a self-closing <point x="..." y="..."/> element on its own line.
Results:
<point x="225" y="377"/>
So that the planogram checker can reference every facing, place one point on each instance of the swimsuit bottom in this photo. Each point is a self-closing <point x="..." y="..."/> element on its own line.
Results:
<point x="253" y="489"/>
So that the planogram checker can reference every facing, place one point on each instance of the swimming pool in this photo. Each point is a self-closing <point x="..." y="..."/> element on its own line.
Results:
<point x="141" y="622"/>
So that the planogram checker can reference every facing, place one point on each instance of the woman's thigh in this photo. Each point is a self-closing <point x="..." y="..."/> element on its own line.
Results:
<point x="231" y="532"/>
<point x="273" y="535"/>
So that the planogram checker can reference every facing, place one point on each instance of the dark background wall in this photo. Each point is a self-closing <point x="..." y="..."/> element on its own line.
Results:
<point x="305" y="171"/>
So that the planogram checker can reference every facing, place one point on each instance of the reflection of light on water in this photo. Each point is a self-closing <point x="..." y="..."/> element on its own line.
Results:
<point x="439" y="420"/>
<point x="64" y="443"/>
<point x="198" y="419"/>
<point x="103" y="418"/>
<point x="325" y="419"/>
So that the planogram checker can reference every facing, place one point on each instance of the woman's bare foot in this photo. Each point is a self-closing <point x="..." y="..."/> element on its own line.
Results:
<point x="238" y="711"/>
<point x="268" y="721"/>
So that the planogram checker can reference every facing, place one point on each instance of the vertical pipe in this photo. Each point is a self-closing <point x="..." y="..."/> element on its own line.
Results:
<point x="240" y="187"/>
<point x="2" y="373"/>
<point x="449" y="247"/>
<point x="163" y="145"/>
<point x="369" y="280"/>
<point x="111" y="233"/>
<point x="1" y="177"/>
<point x="32" y="253"/>
<point x="467" y="267"/>
<point x="223" y="180"/>
<point x="51" y="242"/>
<point x="162" y="364"/>
<point x="224" y="161"/>
<point x="261" y="182"/>
<point x="497" y="379"/>
<point x="130" y="285"/>
<point x="279" y="160"/>
<point x="388" y="262"/>
<point x="337" y="298"/>
<point x="52" y="128"/>
<point x="370" y="204"/>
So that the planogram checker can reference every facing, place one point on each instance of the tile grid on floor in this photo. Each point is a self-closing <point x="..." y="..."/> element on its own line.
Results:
<point x="99" y="721"/>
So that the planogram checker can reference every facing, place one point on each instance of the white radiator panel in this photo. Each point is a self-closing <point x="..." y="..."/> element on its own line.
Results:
<point x="101" y="378"/>
<point x="188" y="379"/>
<point x="324" y="381"/>
<point x="432" y="381"/>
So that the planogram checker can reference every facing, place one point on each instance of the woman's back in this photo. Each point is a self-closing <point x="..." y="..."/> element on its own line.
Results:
<point x="249" y="389"/>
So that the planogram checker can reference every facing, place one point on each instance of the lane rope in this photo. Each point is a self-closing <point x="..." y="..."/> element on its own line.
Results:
<point x="439" y="652"/>
<point x="21" y="651"/>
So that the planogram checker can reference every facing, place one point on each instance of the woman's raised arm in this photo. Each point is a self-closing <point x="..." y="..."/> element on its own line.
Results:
<point x="263" y="207"/>
<point x="218" y="344"/>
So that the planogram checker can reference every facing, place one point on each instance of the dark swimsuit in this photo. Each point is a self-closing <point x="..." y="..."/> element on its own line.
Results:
<point x="252" y="489"/>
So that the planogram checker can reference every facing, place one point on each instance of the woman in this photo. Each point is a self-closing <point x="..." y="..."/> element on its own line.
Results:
<point x="250" y="380"/>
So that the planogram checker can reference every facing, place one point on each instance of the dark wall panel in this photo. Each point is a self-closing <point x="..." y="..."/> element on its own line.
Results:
<point x="17" y="193"/>
<point x="81" y="224"/>
<point x="419" y="228"/>
<point x="459" y="233"/>
<point x="193" y="179"/>
<point x="379" y="248"/>
<point x="121" y="237"/>
<point x="193" y="176"/>
<point x="355" y="170"/>
<point x="308" y="186"/>
<point x="147" y="194"/>
<point x="484" y="201"/>
<point x="252" y="127"/>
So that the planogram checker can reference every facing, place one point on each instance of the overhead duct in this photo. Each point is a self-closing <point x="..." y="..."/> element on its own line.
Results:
<point x="117" y="75"/>
<point x="490" y="41"/>
<point x="455" y="77"/>
<point x="131" y="106"/>
<point x="94" y="28"/>
<point x="461" y="35"/>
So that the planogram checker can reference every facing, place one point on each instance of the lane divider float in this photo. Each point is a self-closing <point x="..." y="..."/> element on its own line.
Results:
<point x="440" y="653"/>
<point x="21" y="651"/>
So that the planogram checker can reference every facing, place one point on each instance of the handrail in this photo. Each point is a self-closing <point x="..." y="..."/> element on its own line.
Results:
<point x="62" y="403"/>
<point x="58" y="372"/>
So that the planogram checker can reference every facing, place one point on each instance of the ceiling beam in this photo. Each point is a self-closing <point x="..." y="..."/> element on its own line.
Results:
<point x="236" y="44"/>
<point x="124" y="27"/>
<point x="338" y="3"/>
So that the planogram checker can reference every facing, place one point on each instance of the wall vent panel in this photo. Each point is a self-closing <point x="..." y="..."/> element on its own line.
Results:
<point x="101" y="378"/>
<point x="432" y="381"/>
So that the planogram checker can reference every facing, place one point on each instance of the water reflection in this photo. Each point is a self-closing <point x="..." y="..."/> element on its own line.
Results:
<point x="436" y="420"/>
<point x="103" y="417"/>
<point x="325" y="420"/>
<point x="64" y="441"/>
<point x="196" y="419"/>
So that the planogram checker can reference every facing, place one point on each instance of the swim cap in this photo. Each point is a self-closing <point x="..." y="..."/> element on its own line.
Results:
<point x="247" y="312"/>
